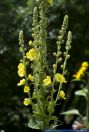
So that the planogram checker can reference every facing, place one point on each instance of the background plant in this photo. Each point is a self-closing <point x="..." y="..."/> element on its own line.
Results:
<point x="84" y="92"/>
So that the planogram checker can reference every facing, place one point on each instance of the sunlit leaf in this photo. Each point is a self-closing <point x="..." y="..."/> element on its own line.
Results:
<point x="82" y="92"/>
<point x="71" y="112"/>
<point x="34" y="124"/>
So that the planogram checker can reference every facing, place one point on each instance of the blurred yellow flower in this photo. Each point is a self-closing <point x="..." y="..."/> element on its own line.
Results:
<point x="30" y="42"/>
<point x="30" y="77"/>
<point x="50" y="2"/>
<point x="31" y="54"/>
<point x="62" y="94"/>
<point x="26" y="89"/>
<point x="81" y="71"/>
<point x="85" y="64"/>
<point x="27" y="101"/>
<point x="21" y="69"/>
<point x="22" y="82"/>
<point x="47" y="81"/>
<point x="60" y="78"/>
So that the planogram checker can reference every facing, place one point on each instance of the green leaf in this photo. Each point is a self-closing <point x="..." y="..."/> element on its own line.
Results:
<point x="82" y="92"/>
<point x="34" y="124"/>
<point x="71" y="112"/>
<point x="55" y="124"/>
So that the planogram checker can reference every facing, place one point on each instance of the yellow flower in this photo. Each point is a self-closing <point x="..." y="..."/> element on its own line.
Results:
<point x="62" y="94"/>
<point x="21" y="69"/>
<point x="60" y="78"/>
<point x="22" y="82"/>
<point x="30" y="42"/>
<point x="85" y="64"/>
<point x="27" y="101"/>
<point x="50" y="2"/>
<point x="26" y="89"/>
<point x="81" y="71"/>
<point x="31" y="54"/>
<point x="30" y="77"/>
<point x="47" y="81"/>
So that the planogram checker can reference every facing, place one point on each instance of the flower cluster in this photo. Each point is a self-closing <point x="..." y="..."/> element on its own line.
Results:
<point x="21" y="70"/>
<point x="31" y="54"/>
<point x="60" y="78"/>
<point x="62" y="94"/>
<point x="81" y="71"/>
<point x="47" y="81"/>
<point x="22" y="82"/>
<point x="27" y="101"/>
<point x="41" y="97"/>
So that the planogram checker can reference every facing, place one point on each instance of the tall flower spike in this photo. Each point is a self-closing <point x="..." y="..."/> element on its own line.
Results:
<point x="63" y="30"/>
<point x="21" y="41"/>
<point x="61" y="40"/>
<point x="22" y="66"/>
<point x="68" y="46"/>
<point x="35" y="28"/>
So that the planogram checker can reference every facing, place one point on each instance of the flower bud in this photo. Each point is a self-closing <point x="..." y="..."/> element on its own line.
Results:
<point x="54" y="54"/>
<point x="64" y="53"/>
<point x="59" y="37"/>
<point x="59" y="53"/>
<point x="59" y="60"/>
<point x="54" y="66"/>
<point x="68" y="56"/>
<point x="61" y="66"/>
<point x="67" y="47"/>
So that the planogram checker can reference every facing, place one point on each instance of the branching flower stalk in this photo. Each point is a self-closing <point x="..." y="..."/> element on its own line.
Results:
<point x="66" y="55"/>
<point x="39" y="65"/>
<point x="42" y="98"/>
<point x="23" y="62"/>
<point x="58" y="54"/>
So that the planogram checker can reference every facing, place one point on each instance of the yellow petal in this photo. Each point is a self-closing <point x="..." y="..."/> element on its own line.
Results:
<point x="47" y="81"/>
<point x="21" y="69"/>
<point x="30" y="77"/>
<point x="62" y="94"/>
<point x="30" y="42"/>
<point x="31" y="54"/>
<point x="22" y="82"/>
<point x="85" y="64"/>
<point x="60" y="78"/>
<point x="26" y="89"/>
<point x="27" y="101"/>
<point x="21" y="72"/>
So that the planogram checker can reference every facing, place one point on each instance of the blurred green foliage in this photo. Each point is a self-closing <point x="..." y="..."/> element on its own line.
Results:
<point x="16" y="15"/>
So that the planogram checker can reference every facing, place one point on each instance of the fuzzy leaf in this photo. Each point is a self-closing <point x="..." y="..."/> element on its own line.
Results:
<point x="82" y="92"/>
<point x="55" y="124"/>
<point x="34" y="124"/>
<point x="71" y="112"/>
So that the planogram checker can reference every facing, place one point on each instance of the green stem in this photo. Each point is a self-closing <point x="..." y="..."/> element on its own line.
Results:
<point x="60" y="86"/>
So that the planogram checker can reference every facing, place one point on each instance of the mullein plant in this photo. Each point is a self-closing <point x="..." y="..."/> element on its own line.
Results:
<point x="38" y="85"/>
<point x="79" y="76"/>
